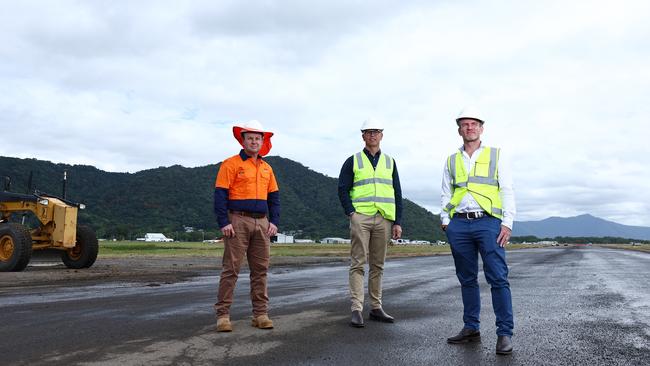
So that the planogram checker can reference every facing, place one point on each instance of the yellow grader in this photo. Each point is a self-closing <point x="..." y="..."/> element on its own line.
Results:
<point x="57" y="229"/>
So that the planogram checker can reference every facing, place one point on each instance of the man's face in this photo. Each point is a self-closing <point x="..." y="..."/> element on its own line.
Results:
<point x="470" y="129"/>
<point x="252" y="142"/>
<point x="372" y="137"/>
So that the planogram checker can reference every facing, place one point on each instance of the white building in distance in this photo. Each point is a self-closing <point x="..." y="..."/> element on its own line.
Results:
<point x="157" y="237"/>
<point x="283" y="238"/>
<point x="335" y="241"/>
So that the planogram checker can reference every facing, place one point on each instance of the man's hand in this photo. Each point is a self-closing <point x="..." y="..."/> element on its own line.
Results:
<point x="443" y="227"/>
<point x="272" y="229"/>
<point x="397" y="231"/>
<point x="228" y="231"/>
<point x="504" y="236"/>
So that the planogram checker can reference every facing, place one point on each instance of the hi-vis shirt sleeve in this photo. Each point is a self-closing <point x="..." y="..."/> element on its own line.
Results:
<point x="273" y="200"/>
<point x="273" y="184"/>
<point x="226" y="176"/>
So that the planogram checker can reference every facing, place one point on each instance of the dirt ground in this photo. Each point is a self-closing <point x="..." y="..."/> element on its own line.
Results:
<point x="46" y="270"/>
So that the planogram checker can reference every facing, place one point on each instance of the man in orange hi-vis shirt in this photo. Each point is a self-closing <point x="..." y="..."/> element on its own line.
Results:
<point x="247" y="206"/>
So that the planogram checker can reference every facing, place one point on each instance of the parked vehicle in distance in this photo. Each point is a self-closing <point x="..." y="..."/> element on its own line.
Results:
<point x="159" y="237"/>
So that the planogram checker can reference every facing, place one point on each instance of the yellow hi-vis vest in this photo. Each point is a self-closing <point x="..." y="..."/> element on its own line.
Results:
<point x="372" y="189"/>
<point x="481" y="182"/>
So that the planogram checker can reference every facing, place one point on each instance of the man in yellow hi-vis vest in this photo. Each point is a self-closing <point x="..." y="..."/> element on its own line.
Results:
<point x="371" y="196"/>
<point x="478" y="208"/>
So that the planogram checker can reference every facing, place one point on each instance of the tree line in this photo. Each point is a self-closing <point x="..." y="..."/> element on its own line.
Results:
<point x="170" y="199"/>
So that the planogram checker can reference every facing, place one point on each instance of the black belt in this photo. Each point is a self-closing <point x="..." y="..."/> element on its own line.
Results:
<point x="255" y="215"/>
<point x="470" y="215"/>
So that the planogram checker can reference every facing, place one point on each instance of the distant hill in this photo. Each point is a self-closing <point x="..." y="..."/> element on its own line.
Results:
<point x="579" y="226"/>
<point x="166" y="199"/>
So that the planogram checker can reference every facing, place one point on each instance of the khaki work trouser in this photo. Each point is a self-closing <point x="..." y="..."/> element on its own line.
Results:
<point x="252" y="242"/>
<point x="369" y="238"/>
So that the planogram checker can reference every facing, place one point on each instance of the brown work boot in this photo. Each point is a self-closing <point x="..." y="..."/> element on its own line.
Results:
<point x="223" y="324"/>
<point x="262" y="322"/>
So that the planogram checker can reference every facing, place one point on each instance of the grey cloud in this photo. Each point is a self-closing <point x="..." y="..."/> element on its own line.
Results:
<point x="297" y="32"/>
<point x="123" y="83"/>
<point x="88" y="30"/>
<point x="300" y="18"/>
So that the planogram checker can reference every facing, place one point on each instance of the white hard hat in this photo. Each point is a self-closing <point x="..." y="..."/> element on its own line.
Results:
<point x="371" y="124"/>
<point x="252" y="125"/>
<point x="472" y="113"/>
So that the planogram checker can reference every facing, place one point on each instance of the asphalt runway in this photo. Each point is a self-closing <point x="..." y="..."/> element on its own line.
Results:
<point x="573" y="306"/>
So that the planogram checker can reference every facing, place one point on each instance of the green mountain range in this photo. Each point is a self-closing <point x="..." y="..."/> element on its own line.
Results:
<point x="168" y="199"/>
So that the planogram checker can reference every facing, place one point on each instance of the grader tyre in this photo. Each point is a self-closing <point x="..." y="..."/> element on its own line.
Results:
<point x="15" y="247"/>
<point x="84" y="253"/>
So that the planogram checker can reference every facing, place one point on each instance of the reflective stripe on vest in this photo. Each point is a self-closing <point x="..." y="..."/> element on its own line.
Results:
<point x="372" y="181"/>
<point x="372" y="188"/>
<point x="482" y="181"/>
<point x="374" y="199"/>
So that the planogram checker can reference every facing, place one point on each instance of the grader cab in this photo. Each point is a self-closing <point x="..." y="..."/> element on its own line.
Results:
<point x="57" y="229"/>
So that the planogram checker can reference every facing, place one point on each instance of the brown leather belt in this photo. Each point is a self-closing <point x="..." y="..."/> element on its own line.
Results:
<point x="470" y="215"/>
<point x="255" y="215"/>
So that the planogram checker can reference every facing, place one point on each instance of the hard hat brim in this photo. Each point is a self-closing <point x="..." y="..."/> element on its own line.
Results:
<point x="474" y="118"/>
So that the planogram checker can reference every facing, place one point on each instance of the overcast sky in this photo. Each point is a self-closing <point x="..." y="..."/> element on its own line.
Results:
<point x="130" y="85"/>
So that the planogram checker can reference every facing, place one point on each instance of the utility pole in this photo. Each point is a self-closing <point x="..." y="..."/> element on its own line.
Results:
<point x="65" y="178"/>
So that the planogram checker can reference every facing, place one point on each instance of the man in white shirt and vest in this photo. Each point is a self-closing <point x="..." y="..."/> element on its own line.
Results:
<point x="371" y="196"/>
<point x="478" y="209"/>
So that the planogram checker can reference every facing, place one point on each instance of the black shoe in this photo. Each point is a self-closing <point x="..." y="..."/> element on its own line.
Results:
<point x="466" y="335"/>
<point x="381" y="316"/>
<point x="504" y="345"/>
<point x="356" y="320"/>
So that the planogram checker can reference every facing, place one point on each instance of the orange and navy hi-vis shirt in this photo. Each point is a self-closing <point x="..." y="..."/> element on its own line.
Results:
<point x="243" y="185"/>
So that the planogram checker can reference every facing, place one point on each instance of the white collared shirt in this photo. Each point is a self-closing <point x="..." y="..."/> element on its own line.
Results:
<point x="468" y="203"/>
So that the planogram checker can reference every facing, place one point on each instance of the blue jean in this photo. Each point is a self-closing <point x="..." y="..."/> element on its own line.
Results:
<point x="467" y="238"/>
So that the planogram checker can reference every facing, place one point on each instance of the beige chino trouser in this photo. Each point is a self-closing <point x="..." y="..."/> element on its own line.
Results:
<point x="369" y="239"/>
<point x="250" y="241"/>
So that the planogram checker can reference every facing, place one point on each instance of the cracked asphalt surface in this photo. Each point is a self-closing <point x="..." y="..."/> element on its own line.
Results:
<point x="573" y="306"/>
